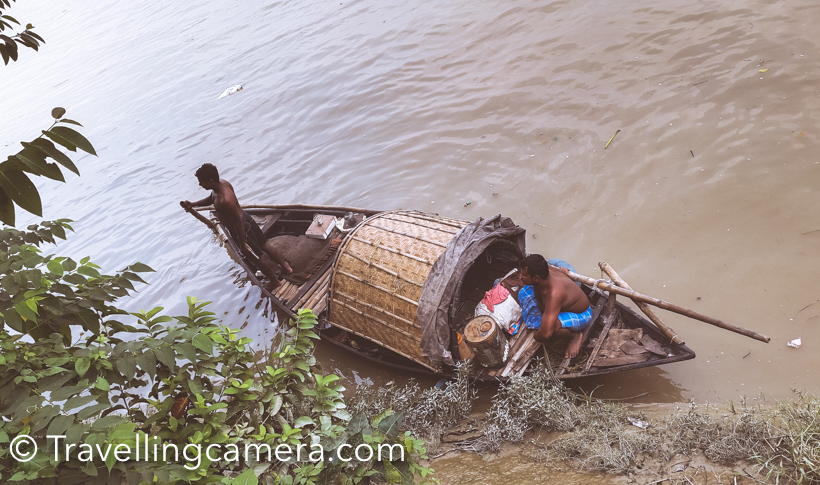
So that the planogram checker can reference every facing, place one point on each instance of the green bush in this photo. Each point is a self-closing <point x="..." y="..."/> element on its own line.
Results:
<point x="184" y="381"/>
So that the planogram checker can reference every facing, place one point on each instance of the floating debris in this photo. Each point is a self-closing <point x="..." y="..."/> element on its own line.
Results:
<point x="610" y="140"/>
<point x="639" y="423"/>
<point x="231" y="90"/>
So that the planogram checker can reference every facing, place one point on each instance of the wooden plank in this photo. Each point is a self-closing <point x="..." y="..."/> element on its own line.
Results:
<point x="522" y="364"/>
<point x="622" y="360"/>
<point x="611" y="317"/>
<point x="321" y="305"/>
<point x="524" y="343"/>
<point x="270" y="222"/>
<point x="595" y="313"/>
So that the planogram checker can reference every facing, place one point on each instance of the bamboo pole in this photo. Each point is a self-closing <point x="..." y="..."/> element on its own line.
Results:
<point x="643" y="306"/>
<point x="665" y="305"/>
<point x="309" y="294"/>
<point x="201" y="218"/>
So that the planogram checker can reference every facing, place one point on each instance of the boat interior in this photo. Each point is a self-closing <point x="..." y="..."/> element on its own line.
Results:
<point x="617" y="339"/>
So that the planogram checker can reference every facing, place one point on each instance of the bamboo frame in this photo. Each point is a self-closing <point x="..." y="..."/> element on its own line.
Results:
<point x="394" y="251"/>
<point x="606" y="268"/>
<point x="635" y="296"/>
<point x="407" y="235"/>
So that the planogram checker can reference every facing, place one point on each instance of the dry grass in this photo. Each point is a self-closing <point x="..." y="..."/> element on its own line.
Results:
<point x="427" y="412"/>
<point x="780" y="442"/>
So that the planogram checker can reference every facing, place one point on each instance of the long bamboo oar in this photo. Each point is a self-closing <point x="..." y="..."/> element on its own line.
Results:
<point x="665" y="305"/>
<point x="201" y="218"/>
<point x="606" y="268"/>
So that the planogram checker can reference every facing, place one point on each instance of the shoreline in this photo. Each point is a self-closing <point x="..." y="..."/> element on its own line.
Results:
<point x="517" y="462"/>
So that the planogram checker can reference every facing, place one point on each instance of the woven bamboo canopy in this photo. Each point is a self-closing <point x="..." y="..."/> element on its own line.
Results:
<point x="379" y="273"/>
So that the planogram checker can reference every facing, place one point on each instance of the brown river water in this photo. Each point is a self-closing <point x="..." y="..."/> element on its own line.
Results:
<point x="707" y="197"/>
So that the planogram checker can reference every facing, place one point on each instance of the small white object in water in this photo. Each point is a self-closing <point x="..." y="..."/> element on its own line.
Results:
<point x="796" y="343"/>
<point x="638" y="423"/>
<point x="231" y="90"/>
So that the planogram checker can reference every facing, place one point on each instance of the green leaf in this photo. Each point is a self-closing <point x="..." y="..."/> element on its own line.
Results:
<point x="55" y="267"/>
<point x="358" y="423"/>
<point x="167" y="357"/>
<point x="76" y="402"/>
<point x="277" y="405"/>
<point x="74" y="278"/>
<point x="391" y="426"/>
<point x="88" y="271"/>
<point x="148" y="362"/>
<point x="59" y="424"/>
<point x="204" y="343"/>
<point x="102" y="384"/>
<point x="81" y="366"/>
<point x="70" y="139"/>
<point x="140" y="268"/>
<point x="66" y="392"/>
<point x="188" y="351"/>
<point x="34" y="160"/>
<point x="19" y="188"/>
<point x="57" y="113"/>
<point x="24" y="311"/>
<point x="74" y="434"/>
<point x="107" y="422"/>
<point x="55" y="153"/>
<point x="90" y="411"/>
<point x="248" y="477"/>
<point x="69" y="265"/>
<point x="6" y="208"/>
<point x="302" y="422"/>
<point x="127" y="367"/>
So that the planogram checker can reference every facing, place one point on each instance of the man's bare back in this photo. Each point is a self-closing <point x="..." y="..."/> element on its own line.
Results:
<point x="555" y="293"/>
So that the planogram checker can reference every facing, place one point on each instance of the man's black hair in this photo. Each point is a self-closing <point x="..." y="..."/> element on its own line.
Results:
<point x="536" y="266"/>
<point x="207" y="172"/>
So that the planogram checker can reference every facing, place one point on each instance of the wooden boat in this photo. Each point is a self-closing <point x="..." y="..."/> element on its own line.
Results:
<point x="365" y="279"/>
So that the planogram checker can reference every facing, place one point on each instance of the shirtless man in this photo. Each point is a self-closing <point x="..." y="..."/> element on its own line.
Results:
<point x="243" y="229"/>
<point x="565" y="309"/>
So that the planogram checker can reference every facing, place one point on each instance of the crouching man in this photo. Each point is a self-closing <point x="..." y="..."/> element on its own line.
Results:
<point x="553" y="304"/>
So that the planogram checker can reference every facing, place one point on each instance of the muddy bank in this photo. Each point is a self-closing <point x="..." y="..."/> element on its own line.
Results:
<point x="521" y="463"/>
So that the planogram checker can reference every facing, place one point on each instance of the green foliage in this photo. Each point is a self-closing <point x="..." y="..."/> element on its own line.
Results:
<point x="187" y="380"/>
<point x="8" y="44"/>
<point x="42" y="295"/>
<point x="15" y="185"/>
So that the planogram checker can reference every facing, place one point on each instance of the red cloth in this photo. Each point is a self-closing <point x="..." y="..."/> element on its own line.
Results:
<point x="495" y="296"/>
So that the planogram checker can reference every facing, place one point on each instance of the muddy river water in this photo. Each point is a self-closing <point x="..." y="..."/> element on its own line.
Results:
<point x="707" y="197"/>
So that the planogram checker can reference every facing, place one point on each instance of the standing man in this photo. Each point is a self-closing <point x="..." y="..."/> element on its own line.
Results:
<point x="564" y="309"/>
<point x="241" y="226"/>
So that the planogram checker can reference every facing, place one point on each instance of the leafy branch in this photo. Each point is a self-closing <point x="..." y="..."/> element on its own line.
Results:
<point x="8" y="44"/>
<point x="16" y="187"/>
